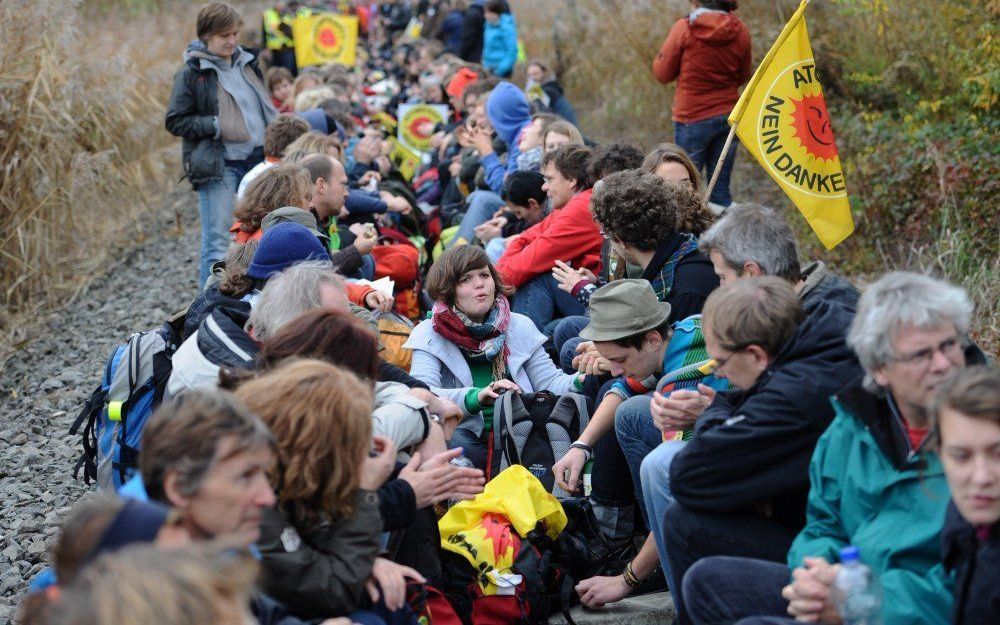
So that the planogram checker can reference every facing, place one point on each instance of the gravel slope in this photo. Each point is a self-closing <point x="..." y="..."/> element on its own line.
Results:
<point x="45" y="384"/>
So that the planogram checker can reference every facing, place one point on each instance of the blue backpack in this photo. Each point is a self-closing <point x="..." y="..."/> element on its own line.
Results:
<point x="134" y="380"/>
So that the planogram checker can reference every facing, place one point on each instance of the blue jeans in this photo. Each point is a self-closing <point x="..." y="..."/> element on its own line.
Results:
<point x="693" y="535"/>
<point x="654" y="474"/>
<point x="473" y="447"/>
<point x="637" y="436"/>
<point x="482" y="205"/>
<point x="367" y="271"/>
<point x="543" y="302"/>
<point x="215" y="203"/>
<point x="566" y="338"/>
<point x="724" y="589"/>
<point x="703" y="141"/>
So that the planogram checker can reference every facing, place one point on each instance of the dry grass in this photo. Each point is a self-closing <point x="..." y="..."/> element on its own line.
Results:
<point x="85" y="157"/>
<point x="604" y="51"/>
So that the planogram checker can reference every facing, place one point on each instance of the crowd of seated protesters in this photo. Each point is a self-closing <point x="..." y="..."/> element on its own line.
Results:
<point x="752" y="413"/>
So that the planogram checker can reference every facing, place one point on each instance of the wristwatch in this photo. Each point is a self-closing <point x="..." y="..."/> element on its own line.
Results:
<point x="587" y="449"/>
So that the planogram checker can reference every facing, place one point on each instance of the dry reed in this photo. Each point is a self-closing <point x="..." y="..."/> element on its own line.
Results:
<point x="84" y="153"/>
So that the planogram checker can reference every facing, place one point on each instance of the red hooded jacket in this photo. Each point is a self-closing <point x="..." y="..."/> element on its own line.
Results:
<point x="709" y="58"/>
<point x="568" y="234"/>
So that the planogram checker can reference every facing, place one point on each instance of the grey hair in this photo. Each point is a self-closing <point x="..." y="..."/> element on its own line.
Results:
<point x="899" y="299"/>
<point x="239" y="255"/>
<point x="751" y="232"/>
<point x="289" y="294"/>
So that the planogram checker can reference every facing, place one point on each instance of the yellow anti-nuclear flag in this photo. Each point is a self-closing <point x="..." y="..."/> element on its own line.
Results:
<point x="404" y="159"/>
<point x="781" y="118"/>
<point x="325" y="38"/>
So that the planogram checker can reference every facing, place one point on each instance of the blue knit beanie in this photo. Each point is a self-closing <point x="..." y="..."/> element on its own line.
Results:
<point x="282" y="246"/>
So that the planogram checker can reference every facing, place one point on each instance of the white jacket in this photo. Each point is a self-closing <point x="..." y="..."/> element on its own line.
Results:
<point x="440" y="364"/>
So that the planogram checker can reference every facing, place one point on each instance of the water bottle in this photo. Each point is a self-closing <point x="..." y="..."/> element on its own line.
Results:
<point x="460" y="461"/>
<point x="588" y="470"/>
<point x="857" y="593"/>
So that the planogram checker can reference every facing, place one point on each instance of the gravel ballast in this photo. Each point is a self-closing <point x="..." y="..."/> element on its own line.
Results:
<point x="45" y="383"/>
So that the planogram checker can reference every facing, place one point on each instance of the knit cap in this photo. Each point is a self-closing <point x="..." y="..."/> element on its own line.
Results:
<point x="282" y="246"/>
<point x="462" y="79"/>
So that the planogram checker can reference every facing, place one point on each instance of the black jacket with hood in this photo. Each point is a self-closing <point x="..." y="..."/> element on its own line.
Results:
<point x="751" y="448"/>
<point x="193" y="111"/>
<point x="975" y="558"/>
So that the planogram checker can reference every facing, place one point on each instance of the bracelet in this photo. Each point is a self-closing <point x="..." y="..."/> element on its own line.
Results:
<point x="630" y="578"/>
<point x="585" y="448"/>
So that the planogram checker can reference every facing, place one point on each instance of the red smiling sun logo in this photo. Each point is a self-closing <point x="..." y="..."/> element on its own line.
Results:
<point x="417" y="126"/>
<point x="327" y="38"/>
<point x="812" y="126"/>
<point x="497" y="529"/>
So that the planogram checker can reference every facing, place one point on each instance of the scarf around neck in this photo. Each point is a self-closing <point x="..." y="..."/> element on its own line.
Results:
<point x="479" y="342"/>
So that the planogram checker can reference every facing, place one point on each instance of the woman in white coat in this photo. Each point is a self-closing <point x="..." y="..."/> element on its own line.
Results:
<point x="473" y="347"/>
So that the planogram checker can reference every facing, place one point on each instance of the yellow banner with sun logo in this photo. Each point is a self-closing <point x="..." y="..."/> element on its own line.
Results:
<point x="418" y="122"/>
<point x="782" y="119"/>
<point x="325" y="38"/>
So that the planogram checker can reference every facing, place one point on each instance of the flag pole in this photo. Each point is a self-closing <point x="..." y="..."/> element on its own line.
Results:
<point x="718" y="165"/>
<point x="741" y="104"/>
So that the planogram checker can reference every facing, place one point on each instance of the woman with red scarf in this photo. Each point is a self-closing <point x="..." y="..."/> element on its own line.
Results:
<point x="473" y="347"/>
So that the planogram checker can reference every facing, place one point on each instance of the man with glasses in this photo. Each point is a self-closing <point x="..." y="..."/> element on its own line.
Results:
<point x="874" y="481"/>
<point x="739" y="486"/>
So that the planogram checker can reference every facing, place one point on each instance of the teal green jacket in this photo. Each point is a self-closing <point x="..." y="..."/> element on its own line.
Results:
<point x="870" y="490"/>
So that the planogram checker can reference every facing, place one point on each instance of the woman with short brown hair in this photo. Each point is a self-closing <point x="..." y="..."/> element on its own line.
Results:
<point x="474" y="347"/>
<point x="220" y="107"/>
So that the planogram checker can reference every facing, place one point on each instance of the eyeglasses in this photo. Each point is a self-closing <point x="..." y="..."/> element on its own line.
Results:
<point x="949" y="348"/>
<point x="722" y="362"/>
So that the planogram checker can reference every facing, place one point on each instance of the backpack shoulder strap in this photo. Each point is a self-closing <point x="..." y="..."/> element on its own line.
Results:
<point x="503" y="419"/>
<point x="567" y="407"/>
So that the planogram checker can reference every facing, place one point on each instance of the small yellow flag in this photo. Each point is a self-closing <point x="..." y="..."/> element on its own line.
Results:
<point x="405" y="160"/>
<point x="325" y="38"/>
<point x="781" y="118"/>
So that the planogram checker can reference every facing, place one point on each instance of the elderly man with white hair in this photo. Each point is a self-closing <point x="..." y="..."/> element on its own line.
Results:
<point x="875" y="482"/>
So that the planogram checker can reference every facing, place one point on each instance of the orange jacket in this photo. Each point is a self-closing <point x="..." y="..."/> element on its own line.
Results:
<point x="242" y="236"/>
<point x="357" y="293"/>
<point x="709" y="58"/>
<point x="568" y="234"/>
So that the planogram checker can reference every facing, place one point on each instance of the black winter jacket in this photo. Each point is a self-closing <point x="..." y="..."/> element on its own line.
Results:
<point x="473" y="25"/>
<point x="191" y="113"/>
<point x="320" y="571"/>
<point x="976" y="563"/>
<point x="751" y="448"/>
<point x="822" y="285"/>
<point x="694" y="278"/>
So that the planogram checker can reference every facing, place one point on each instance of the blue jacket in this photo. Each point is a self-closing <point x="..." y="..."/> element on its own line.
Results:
<point x="500" y="45"/>
<point x="509" y="113"/>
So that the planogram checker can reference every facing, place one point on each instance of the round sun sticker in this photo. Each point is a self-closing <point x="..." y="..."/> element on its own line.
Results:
<point x="796" y="138"/>
<point x="328" y="38"/>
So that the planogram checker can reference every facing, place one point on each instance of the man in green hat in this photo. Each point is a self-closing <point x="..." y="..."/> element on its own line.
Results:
<point x="630" y="328"/>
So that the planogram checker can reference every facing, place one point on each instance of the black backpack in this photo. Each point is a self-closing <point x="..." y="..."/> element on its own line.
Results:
<point x="534" y="430"/>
